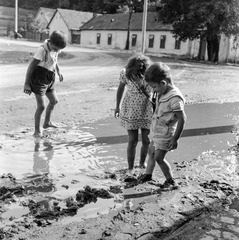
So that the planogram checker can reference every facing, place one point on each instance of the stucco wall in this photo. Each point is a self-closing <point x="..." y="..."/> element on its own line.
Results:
<point x="227" y="51"/>
<point x="169" y="45"/>
<point x="233" y="55"/>
<point x="88" y="39"/>
<point x="57" y="23"/>
<point x="41" y="20"/>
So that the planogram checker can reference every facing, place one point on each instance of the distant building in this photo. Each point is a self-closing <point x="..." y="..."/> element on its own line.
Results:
<point x="228" y="50"/>
<point x="69" y="21"/>
<point x="43" y="17"/>
<point x="7" y="18"/>
<point x="110" y="31"/>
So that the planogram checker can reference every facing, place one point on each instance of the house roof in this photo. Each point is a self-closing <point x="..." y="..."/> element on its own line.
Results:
<point x="47" y="12"/>
<point x="120" y="22"/>
<point x="9" y="13"/>
<point x="73" y="19"/>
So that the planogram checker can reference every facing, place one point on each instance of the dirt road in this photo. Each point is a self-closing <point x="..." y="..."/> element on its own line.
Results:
<point x="87" y="95"/>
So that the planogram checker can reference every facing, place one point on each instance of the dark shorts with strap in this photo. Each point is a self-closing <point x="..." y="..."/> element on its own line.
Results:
<point x="42" y="81"/>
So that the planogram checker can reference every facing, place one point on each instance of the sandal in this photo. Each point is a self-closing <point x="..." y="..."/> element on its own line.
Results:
<point x="145" y="178"/>
<point x="169" y="184"/>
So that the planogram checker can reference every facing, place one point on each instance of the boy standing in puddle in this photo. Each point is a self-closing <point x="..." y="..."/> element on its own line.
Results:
<point x="168" y="122"/>
<point x="40" y="78"/>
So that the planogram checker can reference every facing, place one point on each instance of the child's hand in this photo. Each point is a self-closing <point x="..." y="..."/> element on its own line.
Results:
<point x="116" y="112"/>
<point x="173" y="144"/>
<point x="27" y="89"/>
<point x="60" y="77"/>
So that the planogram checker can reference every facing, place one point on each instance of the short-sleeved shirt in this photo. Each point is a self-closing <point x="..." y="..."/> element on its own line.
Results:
<point x="164" y="120"/>
<point x="48" y="58"/>
<point x="43" y="77"/>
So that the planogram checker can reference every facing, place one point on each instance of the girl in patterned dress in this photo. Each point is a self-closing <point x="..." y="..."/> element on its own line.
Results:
<point x="136" y="110"/>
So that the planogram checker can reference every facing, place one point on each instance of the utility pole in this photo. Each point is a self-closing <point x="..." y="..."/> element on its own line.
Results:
<point x="144" y="25"/>
<point x="16" y="15"/>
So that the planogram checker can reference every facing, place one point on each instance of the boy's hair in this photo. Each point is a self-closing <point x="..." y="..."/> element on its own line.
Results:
<point x="58" y="38"/>
<point x="158" y="72"/>
<point x="137" y="66"/>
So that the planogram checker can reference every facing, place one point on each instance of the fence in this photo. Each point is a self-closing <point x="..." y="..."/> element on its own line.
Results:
<point x="36" y="36"/>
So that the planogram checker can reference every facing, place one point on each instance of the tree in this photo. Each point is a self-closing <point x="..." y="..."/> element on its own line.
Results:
<point x="127" y="6"/>
<point x="36" y="4"/>
<point x="204" y="20"/>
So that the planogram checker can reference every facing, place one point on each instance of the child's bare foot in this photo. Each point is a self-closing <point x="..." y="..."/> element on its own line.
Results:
<point x="37" y="134"/>
<point x="49" y="125"/>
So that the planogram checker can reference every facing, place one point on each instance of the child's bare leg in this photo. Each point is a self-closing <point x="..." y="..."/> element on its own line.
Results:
<point x="151" y="161"/>
<point x="38" y="113"/>
<point x="147" y="176"/>
<point x="53" y="100"/>
<point x="131" y="149"/>
<point x="145" y="147"/>
<point x="164" y="165"/>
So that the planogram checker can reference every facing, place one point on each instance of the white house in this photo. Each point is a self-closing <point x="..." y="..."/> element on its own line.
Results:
<point x="110" y="31"/>
<point x="69" y="21"/>
<point x="43" y="17"/>
<point x="228" y="51"/>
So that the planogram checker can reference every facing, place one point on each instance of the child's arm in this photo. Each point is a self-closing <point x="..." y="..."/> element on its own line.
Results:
<point x="119" y="95"/>
<point x="59" y="72"/>
<point x="181" y="122"/>
<point x="32" y="66"/>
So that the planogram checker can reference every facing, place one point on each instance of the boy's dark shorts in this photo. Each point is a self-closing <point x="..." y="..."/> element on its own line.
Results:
<point x="42" y="81"/>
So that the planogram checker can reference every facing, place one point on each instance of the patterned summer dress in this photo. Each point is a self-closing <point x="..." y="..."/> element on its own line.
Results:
<point x="136" y="110"/>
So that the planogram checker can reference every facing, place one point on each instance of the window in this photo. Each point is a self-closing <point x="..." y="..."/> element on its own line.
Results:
<point x="98" y="38"/>
<point x="75" y="38"/>
<point x="177" y="43"/>
<point x="109" y="39"/>
<point x="134" y="40"/>
<point x="162" y="41"/>
<point x="151" y="41"/>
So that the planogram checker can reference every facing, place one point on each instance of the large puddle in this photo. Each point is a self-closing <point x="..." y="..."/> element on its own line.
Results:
<point x="79" y="156"/>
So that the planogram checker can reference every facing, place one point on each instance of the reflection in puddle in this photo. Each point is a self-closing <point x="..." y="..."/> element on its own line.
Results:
<point x="42" y="157"/>
<point x="102" y="206"/>
<point x="58" y="165"/>
<point x="13" y="211"/>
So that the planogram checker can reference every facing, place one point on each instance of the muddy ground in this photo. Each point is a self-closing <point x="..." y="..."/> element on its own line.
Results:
<point x="190" y="212"/>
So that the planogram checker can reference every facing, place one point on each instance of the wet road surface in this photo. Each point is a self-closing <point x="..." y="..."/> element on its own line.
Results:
<point x="79" y="156"/>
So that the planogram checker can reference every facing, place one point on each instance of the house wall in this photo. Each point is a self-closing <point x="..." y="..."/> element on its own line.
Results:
<point x="88" y="39"/>
<point x="58" y="23"/>
<point x="194" y="48"/>
<point x="228" y="52"/>
<point x="169" y="45"/>
<point x="41" y="20"/>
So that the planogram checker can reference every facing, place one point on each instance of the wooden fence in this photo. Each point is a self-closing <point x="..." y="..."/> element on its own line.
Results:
<point x="36" y="36"/>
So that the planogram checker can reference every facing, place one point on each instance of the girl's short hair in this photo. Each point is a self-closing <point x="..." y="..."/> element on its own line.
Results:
<point x="158" y="72"/>
<point x="58" y="38"/>
<point x="137" y="66"/>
